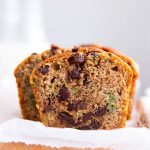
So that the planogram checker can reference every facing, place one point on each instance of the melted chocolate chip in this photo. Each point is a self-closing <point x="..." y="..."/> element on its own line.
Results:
<point x="44" y="69"/>
<point x="115" y="68"/>
<point x="95" y="125"/>
<point x="87" y="116"/>
<point x="76" y="105"/>
<point x="74" y="74"/>
<point x="72" y="106"/>
<point x="74" y="49"/>
<point x="76" y="58"/>
<point x="63" y="93"/>
<point x="64" y="116"/>
<point x="84" y="128"/>
<point x="101" y="111"/>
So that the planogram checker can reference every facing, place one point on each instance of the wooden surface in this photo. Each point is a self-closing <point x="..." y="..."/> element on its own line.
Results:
<point x="22" y="146"/>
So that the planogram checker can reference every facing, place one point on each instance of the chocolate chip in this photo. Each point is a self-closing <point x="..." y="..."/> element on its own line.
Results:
<point x="84" y="128"/>
<point x="64" y="116"/>
<point x="34" y="53"/>
<point x="101" y="111"/>
<point x="76" y="105"/>
<point x="44" y="79"/>
<point x="55" y="66"/>
<point x="44" y="69"/>
<point x="76" y="123"/>
<point x="76" y="58"/>
<point x="75" y="49"/>
<point x="119" y="92"/>
<point x="72" y="106"/>
<point x="63" y="93"/>
<point x="85" y="81"/>
<point x="94" y="54"/>
<point x="47" y="66"/>
<point x="53" y="80"/>
<point x="95" y="125"/>
<point x="54" y="49"/>
<point x="115" y="68"/>
<point x="110" y="54"/>
<point x="74" y="74"/>
<point x="87" y="116"/>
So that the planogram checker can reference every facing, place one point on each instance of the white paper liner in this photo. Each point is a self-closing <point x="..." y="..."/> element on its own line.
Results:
<point x="30" y="132"/>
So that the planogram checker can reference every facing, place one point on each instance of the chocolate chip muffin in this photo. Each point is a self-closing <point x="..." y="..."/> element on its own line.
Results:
<point x="131" y="63"/>
<point x="22" y="74"/>
<point x="84" y="89"/>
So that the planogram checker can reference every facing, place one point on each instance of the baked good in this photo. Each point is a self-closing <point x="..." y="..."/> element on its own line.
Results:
<point x="22" y="74"/>
<point x="131" y="63"/>
<point x="84" y="89"/>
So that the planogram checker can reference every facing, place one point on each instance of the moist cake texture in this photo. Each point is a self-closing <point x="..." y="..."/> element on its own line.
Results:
<point x="22" y="74"/>
<point x="131" y="63"/>
<point x="84" y="89"/>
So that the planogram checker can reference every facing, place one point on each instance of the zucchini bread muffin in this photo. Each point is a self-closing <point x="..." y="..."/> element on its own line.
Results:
<point x="131" y="63"/>
<point x="22" y="74"/>
<point x="84" y="89"/>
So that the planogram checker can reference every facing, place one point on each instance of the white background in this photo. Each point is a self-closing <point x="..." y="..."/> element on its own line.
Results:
<point x="27" y="26"/>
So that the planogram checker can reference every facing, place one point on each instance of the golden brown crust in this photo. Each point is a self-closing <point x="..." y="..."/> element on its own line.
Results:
<point x="19" y="78"/>
<point x="131" y="63"/>
<point x="115" y="58"/>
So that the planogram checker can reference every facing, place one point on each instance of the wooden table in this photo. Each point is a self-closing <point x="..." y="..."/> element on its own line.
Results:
<point x="22" y="146"/>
